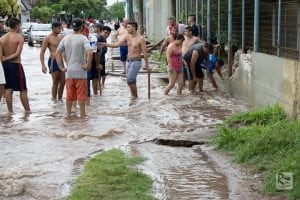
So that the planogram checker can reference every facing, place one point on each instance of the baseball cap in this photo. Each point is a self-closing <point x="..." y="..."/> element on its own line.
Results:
<point x="77" y="23"/>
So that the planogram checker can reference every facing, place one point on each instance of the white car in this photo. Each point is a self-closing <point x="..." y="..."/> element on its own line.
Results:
<point x="25" y="28"/>
<point x="37" y="33"/>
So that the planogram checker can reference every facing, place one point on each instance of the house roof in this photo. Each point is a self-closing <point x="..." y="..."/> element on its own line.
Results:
<point x="26" y="5"/>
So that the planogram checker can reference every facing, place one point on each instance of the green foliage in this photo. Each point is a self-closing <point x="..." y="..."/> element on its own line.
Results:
<point x="112" y="175"/>
<point x="116" y="11"/>
<point x="266" y="141"/>
<point x="9" y="8"/>
<point x="43" y="13"/>
<point x="162" y="59"/>
<point x="84" y="8"/>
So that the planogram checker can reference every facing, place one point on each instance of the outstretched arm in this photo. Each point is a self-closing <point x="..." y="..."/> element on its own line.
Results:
<point x="144" y="50"/>
<point x="114" y="45"/>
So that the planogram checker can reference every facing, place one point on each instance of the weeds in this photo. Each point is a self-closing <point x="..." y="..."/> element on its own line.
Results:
<point x="267" y="142"/>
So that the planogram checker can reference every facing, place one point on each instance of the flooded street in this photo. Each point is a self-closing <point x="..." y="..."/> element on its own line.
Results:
<point x="38" y="150"/>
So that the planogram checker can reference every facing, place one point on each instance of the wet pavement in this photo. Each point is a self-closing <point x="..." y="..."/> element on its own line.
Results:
<point x="39" y="151"/>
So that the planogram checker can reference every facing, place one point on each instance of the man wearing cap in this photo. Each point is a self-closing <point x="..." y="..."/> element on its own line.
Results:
<point x="193" y="59"/>
<point x="79" y="55"/>
<point x="58" y="77"/>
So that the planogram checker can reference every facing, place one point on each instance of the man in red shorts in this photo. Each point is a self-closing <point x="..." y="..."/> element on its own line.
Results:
<point x="13" y="69"/>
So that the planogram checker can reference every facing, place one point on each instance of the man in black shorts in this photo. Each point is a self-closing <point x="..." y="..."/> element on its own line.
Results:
<point x="193" y="59"/>
<point x="13" y="69"/>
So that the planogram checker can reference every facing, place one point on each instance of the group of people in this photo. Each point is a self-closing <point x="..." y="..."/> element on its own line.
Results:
<point x="187" y="55"/>
<point x="75" y="60"/>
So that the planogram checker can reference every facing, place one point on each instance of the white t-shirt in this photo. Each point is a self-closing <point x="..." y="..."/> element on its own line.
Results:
<point x="74" y="46"/>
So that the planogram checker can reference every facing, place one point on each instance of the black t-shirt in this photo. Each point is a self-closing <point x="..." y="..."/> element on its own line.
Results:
<point x="195" y="30"/>
<point x="188" y="55"/>
<point x="103" y="51"/>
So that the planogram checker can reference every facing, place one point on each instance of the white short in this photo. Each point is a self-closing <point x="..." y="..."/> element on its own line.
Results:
<point x="2" y="77"/>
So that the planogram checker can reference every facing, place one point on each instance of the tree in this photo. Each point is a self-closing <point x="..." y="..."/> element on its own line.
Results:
<point x="83" y="8"/>
<point x="43" y="13"/>
<point x="9" y="8"/>
<point x="117" y="10"/>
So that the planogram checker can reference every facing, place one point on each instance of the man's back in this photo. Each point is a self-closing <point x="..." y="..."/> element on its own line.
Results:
<point x="74" y="46"/>
<point x="12" y="42"/>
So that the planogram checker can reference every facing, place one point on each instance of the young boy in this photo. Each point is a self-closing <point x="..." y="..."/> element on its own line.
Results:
<point x="216" y="64"/>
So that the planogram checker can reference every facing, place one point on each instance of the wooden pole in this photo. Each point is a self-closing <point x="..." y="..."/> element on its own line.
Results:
<point x="149" y="84"/>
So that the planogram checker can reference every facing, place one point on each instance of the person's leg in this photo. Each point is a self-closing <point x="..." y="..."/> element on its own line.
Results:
<point x="69" y="107"/>
<point x="200" y="84"/>
<point x="1" y="91"/>
<point x="180" y="80"/>
<point x="24" y="100"/>
<point x="172" y="80"/>
<point x="61" y="85"/>
<point x="213" y="81"/>
<point x="8" y="97"/>
<point x="71" y="96"/>
<point x="55" y="81"/>
<point x="123" y="57"/>
<point x="81" y="108"/>
<point x="192" y="85"/>
<point x="133" y="90"/>
<point x="132" y="70"/>
<point x="95" y="82"/>
<point x="81" y="90"/>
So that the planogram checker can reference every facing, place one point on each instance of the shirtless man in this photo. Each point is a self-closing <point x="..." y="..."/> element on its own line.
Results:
<point x="13" y="69"/>
<point x="2" y="76"/>
<point x="120" y="34"/>
<point x="58" y="77"/>
<point x="189" y="40"/>
<point x="136" y="46"/>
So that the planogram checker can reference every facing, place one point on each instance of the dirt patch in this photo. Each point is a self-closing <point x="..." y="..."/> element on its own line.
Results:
<point x="241" y="183"/>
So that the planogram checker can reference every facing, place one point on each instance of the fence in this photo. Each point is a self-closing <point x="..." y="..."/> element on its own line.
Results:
<point x="268" y="31"/>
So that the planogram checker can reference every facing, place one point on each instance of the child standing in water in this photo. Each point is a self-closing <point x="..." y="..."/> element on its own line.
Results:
<point x="174" y="58"/>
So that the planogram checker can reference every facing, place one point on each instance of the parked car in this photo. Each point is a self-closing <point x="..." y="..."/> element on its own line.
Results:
<point x="25" y="28"/>
<point x="37" y="33"/>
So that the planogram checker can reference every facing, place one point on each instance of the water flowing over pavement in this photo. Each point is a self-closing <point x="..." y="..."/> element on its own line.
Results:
<point x="39" y="151"/>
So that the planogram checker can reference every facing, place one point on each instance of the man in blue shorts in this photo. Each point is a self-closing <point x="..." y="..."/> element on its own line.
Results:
<point x="13" y="69"/>
<point x="136" y="46"/>
<point x="120" y="34"/>
<point x="58" y="77"/>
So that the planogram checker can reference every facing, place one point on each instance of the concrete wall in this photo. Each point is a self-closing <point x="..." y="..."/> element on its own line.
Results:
<point x="156" y="13"/>
<point x="262" y="79"/>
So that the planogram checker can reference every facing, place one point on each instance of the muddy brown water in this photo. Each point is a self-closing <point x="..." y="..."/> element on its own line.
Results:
<point x="39" y="150"/>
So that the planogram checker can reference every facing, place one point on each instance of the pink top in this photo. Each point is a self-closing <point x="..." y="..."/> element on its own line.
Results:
<point x="176" y="60"/>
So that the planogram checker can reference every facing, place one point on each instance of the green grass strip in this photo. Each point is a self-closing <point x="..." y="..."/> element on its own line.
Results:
<point x="112" y="175"/>
<point x="265" y="141"/>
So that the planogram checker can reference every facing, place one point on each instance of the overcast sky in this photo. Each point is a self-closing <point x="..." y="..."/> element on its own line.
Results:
<point x="110" y="2"/>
